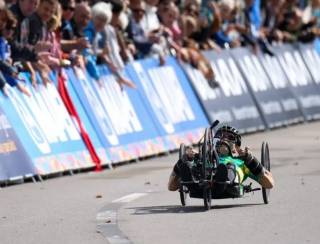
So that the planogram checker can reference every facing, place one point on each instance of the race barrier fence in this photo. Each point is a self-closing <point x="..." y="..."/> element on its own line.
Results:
<point x="172" y="104"/>
<point x="231" y="102"/>
<point x="14" y="160"/>
<point x="303" y="85"/>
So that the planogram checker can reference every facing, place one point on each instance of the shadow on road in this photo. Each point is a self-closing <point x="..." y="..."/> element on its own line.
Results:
<point x="236" y="205"/>
<point x="187" y="209"/>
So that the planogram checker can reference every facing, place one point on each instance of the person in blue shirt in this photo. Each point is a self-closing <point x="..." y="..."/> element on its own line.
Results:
<point x="252" y="22"/>
<point x="8" y="73"/>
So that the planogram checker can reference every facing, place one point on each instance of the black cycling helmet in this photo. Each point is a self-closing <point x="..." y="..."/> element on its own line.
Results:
<point x="230" y="133"/>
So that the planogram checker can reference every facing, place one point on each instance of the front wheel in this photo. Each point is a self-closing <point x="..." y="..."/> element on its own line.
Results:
<point x="207" y="196"/>
<point x="183" y="195"/>
<point x="265" y="161"/>
<point x="182" y="151"/>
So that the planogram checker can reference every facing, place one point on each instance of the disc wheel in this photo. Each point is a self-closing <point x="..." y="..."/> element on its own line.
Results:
<point x="265" y="161"/>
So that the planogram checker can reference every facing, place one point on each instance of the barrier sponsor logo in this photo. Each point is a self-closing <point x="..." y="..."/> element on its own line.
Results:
<point x="99" y="114"/>
<point x="227" y="71"/>
<point x="274" y="71"/>
<point x="118" y="116"/>
<point x="312" y="61"/>
<point x="121" y="112"/>
<point x="45" y="117"/>
<point x="230" y="102"/>
<point x="302" y="85"/>
<point x="45" y="129"/>
<point x="282" y="86"/>
<point x="169" y="98"/>
<point x="172" y="98"/>
<point x="207" y="94"/>
<point x="295" y="69"/>
<point x="14" y="161"/>
<point x="30" y="123"/>
<point x="265" y="97"/>
<point x="254" y="72"/>
<point x="157" y="103"/>
<point x="87" y="125"/>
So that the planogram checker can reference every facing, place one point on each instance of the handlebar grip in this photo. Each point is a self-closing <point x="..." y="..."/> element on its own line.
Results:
<point x="214" y="124"/>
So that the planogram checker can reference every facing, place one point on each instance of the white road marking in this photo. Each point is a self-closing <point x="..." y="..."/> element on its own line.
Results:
<point x="107" y="215"/>
<point x="118" y="240"/>
<point x="130" y="197"/>
<point x="107" y="220"/>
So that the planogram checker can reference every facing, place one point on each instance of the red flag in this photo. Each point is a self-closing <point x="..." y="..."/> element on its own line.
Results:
<point x="73" y="112"/>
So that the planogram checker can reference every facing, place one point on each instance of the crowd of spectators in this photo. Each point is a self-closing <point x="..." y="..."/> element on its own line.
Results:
<point x="39" y="36"/>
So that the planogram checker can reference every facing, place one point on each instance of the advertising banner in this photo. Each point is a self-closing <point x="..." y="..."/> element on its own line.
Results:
<point x="170" y="100"/>
<point x="311" y="58"/>
<point x="302" y="84"/>
<point x="86" y="124"/>
<point x="118" y="116"/>
<point x="232" y="102"/>
<point x="45" y="129"/>
<point x="317" y="45"/>
<point x="14" y="161"/>
<point x="276" y="103"/>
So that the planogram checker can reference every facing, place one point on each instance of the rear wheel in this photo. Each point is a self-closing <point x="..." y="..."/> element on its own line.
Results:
<point x="182" y="189"/>
<point x="265" y="161"/>
<point x="207" y="196"/>
<point x="183" y="195"/>
<point x="207" y="168"/>
<point x="182" y="151"/>
<point x="207" y="156"/>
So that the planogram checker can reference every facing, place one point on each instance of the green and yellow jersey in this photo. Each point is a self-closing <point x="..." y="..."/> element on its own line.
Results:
<point x="241" y="169"/>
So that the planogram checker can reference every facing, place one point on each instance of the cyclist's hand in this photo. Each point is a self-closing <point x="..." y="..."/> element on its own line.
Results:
<point x="242" y="152"/>
<point x="190" y="153"/>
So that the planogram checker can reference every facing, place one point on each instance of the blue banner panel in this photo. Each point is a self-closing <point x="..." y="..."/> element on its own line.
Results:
<point x="14" y="161"/>
<point x="317" y="45"/>
<point x="269" y="100"/>
<point x="45" y="129"/>
<point x="170" y="100"/>
<point x="232" y="102"/>
<point x="283" y="88"/>
<point x="118" y="116"/>
<point x="303" y="86"/>
<point x="311" y="58"/>
<point x="88" y="127"/>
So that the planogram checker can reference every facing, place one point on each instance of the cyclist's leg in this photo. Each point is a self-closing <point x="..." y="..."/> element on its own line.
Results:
<point x="231" y="172"/>
<point x="174" y="179"/>
<point x="174" y="182"/>
<point x="226" y="173"/>
<point x="182" y="170"/>
<point x="224" y="176"/>
<point x="266" y="179"/>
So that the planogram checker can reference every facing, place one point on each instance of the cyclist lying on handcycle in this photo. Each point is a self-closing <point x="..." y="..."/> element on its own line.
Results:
<point x="235" y="163"/>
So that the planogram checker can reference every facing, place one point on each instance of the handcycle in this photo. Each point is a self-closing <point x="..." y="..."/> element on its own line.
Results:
<point x="202" y="182"/>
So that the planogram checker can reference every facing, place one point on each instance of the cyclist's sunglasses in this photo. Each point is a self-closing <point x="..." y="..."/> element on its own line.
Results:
<point x="225" y="136"/>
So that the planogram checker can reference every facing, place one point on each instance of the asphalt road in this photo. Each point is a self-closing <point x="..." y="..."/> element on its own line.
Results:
<point x="131" y="204"/>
